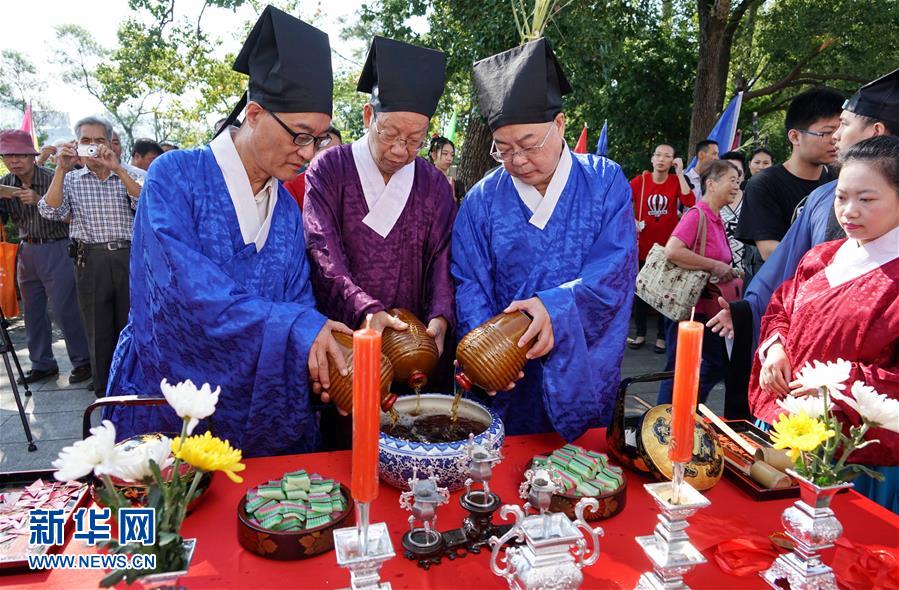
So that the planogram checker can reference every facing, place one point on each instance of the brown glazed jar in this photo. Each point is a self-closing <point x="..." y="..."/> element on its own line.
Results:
<point x="489" y="356"/>
<point x="412" y="352"/>
<point x="341" y="390"/>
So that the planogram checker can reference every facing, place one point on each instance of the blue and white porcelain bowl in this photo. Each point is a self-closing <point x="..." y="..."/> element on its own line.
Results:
<point x="398" y="457"/>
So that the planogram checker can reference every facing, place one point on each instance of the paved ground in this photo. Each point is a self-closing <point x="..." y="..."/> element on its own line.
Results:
<point x="55" y="408"/>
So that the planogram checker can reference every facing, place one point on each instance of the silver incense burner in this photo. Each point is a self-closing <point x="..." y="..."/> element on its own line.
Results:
<point x="553" y="549"/>
<point x="424" y="496"/>
<point x="481" y="461"/>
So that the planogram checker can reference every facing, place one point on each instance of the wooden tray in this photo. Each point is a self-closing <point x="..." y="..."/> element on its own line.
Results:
<point x="289" y="545"/>
<point x="734" y="457"/>
<point x="18" y="560"/>
<point x="610" y="503"/>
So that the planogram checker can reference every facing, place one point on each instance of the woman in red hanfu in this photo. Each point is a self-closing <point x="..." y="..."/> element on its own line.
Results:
<point x="843" y="301"/>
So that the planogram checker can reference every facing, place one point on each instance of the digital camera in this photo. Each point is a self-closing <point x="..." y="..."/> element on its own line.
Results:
<point x="87" y="151"/>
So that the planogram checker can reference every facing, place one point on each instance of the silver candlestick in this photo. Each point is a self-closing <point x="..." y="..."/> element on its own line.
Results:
<point x="363" y="549"/>
<point x="669" y="548"/>
<point x="554" y="548"/>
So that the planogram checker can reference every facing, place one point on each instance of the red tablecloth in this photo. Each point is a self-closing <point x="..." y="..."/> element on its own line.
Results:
<point x="220" y="562"/>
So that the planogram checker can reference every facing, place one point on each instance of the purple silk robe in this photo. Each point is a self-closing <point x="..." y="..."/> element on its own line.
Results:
<point x="354" y="270"/>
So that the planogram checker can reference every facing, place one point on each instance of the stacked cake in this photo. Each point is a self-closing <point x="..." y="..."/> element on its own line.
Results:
<point x="295" y="502"/>
<point x="582" y="472"/>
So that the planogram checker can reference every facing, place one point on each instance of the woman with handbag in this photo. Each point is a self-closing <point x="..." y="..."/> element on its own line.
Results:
<point x="699" y="243"/>
<point x="656" y="195"/>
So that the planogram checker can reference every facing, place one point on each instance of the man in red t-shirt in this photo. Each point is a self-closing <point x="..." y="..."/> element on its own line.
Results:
<point x="655" y="197"/>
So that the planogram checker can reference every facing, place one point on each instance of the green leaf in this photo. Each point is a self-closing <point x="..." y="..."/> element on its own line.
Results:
<point x="166" y="537"/>
<point x="113" y="578"/>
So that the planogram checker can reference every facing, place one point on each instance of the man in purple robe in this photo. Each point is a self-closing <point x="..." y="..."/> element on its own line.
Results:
<point x="378" y="219"/>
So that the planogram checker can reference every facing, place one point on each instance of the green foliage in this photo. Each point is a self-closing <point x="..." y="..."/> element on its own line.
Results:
<point x="348" y="103"/>
<point x="20" y="82"/>
<point x="858" y="43"/>
<point x="625" y="61"/>
<point x="163" y="73"/>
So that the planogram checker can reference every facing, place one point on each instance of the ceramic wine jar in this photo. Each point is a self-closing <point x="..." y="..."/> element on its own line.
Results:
<point x="489" y="355"/>
<point x="412" y="352"/>
<point x="341" y="390"/>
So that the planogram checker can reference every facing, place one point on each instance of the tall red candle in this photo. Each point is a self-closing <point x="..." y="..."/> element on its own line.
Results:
<point x="366" y="412"/>
<point x="686" y="390"/>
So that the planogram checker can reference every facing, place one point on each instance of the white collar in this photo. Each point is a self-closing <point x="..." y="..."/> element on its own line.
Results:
<point x="252" y="229"/>
<point x="852" y="260"/>
<point x="385" y="201"/>
<point x="542" y="206"/>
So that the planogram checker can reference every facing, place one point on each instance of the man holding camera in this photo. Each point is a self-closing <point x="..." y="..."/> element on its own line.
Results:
<point x="100" y="199"/>
<point x="43" y="270"/>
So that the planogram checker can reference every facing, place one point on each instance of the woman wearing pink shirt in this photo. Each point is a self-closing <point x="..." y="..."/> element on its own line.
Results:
<point x="720" y="184"/>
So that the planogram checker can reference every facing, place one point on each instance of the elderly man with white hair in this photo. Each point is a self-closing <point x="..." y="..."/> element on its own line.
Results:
<point x="99" y="200"/>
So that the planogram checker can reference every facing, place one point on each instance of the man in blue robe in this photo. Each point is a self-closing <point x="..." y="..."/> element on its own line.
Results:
<point x="552" y="233"/>
<point x="219" y="278"/>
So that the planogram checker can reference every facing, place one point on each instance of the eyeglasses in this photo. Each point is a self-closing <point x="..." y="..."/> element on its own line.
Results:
<point x="390" y="138"/>
<point x="303" y="139"/>
<point x="819" y="134"/>
<point x="524" y="153"/>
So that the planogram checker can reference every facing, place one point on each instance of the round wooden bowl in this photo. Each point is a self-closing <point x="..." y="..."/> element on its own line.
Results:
<point x="610" y="503"/>
<point x="289" y="545"/>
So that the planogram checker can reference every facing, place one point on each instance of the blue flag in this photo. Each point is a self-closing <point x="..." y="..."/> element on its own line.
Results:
<point x="602" y="146"/>
<point x="725" y="128"/>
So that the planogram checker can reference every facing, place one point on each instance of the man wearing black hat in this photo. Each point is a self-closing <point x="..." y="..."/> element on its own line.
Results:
<point x="872" y="111"/>
<point x="220" y="283"/>
<point x="550" y="233"/>
<point x="378" y="218"/>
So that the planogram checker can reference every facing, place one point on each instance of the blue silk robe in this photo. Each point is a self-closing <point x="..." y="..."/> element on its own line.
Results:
<point x="208" y="307"/>
<point x="582" y="265"/>
<point x="809" y="230"/>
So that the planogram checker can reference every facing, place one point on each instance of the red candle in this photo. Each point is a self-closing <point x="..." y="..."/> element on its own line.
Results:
<point x="366" y="412"/>
<point x="686" y="390"/>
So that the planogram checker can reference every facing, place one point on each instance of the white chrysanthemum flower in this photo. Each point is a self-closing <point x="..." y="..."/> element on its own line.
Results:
<point x="95" y="453"/>
<point x="189" y="402"/>
<point x="134" y="464"/>
<point x="811" y="405"/>
<point x="877" y="409"/>
<point x="832" y="375"/>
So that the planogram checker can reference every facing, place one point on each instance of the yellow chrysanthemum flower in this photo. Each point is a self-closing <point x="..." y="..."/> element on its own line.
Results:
<point x="210" y="453"/>
<point x="798" y="433"/>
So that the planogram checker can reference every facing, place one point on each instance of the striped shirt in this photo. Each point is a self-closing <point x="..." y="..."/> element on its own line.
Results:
<point x="101" y="210"/>
<point x="27" y="217"/>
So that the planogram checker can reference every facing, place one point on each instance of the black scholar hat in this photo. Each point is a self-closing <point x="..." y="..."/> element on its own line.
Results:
<point x="289" y="64"/>
<point x="403" y="77"/>
<point x="522" y="85"/>
<point x="878" y="99"/>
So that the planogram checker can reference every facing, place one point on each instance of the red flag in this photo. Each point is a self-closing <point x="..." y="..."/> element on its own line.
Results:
<point x="28" y="125"/>
<point x="581" y="147"/>
<point x="738" y="138"/>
